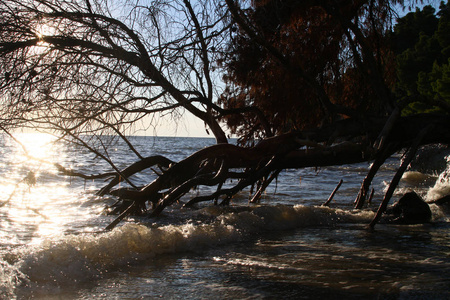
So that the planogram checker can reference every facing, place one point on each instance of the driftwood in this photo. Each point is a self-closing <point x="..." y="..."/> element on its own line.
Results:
<point x="213" y="165"/>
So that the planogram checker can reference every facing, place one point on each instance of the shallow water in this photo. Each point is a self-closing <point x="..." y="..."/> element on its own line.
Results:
<point x="51" y="245"/>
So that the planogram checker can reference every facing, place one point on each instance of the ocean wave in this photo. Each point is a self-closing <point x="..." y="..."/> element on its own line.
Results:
<point x="418" y="178"/>
<point x="80" y="258"/>
<point x="442" y="186"/>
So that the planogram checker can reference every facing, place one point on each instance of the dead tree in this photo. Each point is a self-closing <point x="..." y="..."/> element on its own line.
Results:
<point x="213" y="166"/>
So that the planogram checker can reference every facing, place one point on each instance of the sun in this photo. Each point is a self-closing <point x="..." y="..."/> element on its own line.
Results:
<point x="42" y="29"/>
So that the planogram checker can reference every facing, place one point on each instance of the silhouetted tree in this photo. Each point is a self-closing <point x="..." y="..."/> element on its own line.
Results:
<point x="307" y="83"/>
<point x="305" y="63"/>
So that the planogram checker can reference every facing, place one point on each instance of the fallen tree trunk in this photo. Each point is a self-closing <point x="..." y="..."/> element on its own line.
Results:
<point x="352" y="142"/>
<point x="139" y="166"/>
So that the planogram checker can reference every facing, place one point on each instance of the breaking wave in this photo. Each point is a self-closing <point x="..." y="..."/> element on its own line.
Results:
<point x="442" y="186"/>
<point x="80" y="258"/>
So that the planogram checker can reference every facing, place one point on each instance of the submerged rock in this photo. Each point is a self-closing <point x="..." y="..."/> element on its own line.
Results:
<point x="410" y="209"/>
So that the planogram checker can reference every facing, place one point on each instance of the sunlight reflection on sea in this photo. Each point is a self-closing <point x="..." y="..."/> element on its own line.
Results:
<point x="288" y="245"/>
<point x="37" y="202"/>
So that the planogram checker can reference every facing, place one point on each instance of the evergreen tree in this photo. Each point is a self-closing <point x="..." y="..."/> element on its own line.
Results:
<point x="422" y="45"/>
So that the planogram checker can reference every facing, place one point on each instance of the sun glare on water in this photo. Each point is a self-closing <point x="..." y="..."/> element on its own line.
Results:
<point x="37" y="145"/>
<point x="35" y="199"/>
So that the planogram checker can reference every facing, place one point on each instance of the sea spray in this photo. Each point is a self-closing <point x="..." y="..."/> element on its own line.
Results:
<point x="442" y="186"/>
<point x="10" y="277"/>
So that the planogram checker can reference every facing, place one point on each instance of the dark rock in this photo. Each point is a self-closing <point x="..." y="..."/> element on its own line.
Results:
<point x="410" y="209"/>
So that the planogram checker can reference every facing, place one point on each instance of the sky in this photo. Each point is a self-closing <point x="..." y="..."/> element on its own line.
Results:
<point x="188" y="126"/>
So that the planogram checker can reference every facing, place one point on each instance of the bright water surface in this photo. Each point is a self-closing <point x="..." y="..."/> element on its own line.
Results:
<point x="288" y="247"/>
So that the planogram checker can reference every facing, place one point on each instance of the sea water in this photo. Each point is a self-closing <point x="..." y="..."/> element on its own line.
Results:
<point x="288" y="246"/>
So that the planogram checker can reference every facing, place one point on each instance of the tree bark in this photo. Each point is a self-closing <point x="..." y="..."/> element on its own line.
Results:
<point x="136" y="167"/>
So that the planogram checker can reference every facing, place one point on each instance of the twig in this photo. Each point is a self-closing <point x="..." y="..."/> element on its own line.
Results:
<point x="369" y="201"/>
<point x="333" y="193"/>
<point x="264" y="185"/>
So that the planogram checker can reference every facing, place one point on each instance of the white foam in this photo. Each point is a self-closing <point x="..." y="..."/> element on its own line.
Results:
<point x="442" y="186"/>
<point x="439" y="214"/>
<point x="10" y="277"/>
<point x="83" y="257"/>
